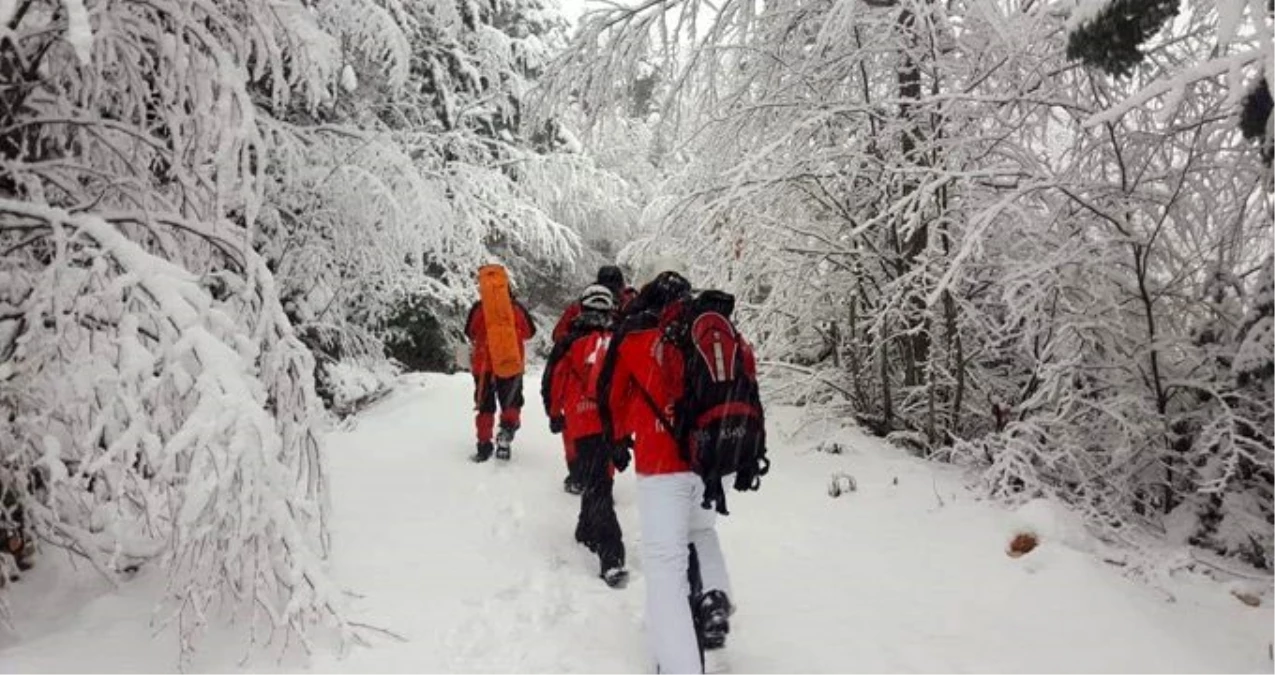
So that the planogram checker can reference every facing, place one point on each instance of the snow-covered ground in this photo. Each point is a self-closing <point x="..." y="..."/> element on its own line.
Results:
<point x="476" y="567"/>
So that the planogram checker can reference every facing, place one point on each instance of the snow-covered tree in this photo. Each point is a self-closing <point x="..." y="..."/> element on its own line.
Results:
<point x="196" y="198"/>
<point x="161" y="410"/>
<point x="386" y="202"/>
<point x="924" y="223"/>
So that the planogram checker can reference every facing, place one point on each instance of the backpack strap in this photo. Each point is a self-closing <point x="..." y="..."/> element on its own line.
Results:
<point x="637" y="321"/>
<point x="659" y="414"/>
<point x="740" y="408"/>
<point x="714" y="493"/>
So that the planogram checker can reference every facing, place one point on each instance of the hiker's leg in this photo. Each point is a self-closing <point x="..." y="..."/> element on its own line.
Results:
<point x="485" y="405"/>
<point x="663" y="501"/>
<point x="584" y="523"/>
<point x="569" y="449"/>
<point x="703" y="534"/>
<point x="509" y="391"/>
<point x="597" y="505"/>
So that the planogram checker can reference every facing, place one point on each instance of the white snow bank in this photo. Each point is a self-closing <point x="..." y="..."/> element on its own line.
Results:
<point x="1052" y="523"/>
<point x="354" y="378"/>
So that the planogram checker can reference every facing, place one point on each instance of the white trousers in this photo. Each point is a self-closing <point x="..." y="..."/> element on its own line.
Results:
<point x="669" y="506"/>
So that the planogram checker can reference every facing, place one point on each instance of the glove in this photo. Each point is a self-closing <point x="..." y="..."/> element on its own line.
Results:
<point x="620" y="455"/>
<point x="556" y="425"/>
<point x="748" y="476"/>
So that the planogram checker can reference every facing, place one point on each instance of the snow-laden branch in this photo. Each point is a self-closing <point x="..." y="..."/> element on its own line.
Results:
<point x="1177" y="85"/>
<point x="204" y="443"/>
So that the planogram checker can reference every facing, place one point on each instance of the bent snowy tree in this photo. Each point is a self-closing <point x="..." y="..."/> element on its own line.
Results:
<point x="161" y="410"/>
<point x="301" y="172"/>
<point x="158" y="417"/>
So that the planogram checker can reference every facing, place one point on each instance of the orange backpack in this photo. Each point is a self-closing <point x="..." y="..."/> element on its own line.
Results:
<point x="502" y="327"/>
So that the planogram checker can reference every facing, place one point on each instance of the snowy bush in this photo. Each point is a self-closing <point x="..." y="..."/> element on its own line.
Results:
<point x="841" y="483"/>
<point x="354" y="380"/>
<point x="416" y="337"/>
<point x="167" y="416"/>
<point x="161" y="407"/>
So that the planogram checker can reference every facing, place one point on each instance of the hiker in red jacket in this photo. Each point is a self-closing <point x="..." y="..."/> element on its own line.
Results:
<point x="638" y="389"/>
<point x="490" y="390"/>
<point x="611" y="278"/>
<point x="569" y="390"/>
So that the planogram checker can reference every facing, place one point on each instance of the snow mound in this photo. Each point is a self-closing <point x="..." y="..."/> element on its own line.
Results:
<point x="1051" y="523"/>
<point x="354" y="379"/>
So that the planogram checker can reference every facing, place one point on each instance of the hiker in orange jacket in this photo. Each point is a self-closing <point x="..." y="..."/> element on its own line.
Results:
<point x="490" y="390"/>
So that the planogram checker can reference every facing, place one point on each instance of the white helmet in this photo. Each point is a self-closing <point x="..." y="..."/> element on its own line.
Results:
<point x="597" y="298"/>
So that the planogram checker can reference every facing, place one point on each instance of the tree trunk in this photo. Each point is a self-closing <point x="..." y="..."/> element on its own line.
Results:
<point x="887" y="404"/>
<point x="911" y="140"/>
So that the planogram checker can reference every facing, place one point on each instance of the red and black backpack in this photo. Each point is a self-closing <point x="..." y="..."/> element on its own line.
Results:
<point x="718" y="419"/>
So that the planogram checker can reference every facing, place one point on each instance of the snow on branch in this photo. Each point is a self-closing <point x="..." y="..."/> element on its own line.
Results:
<point x="172" y="420"/>
<point x="1177" y="85"/>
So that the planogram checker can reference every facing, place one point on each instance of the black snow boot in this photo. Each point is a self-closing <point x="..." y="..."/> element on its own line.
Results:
<point x="483" y="453"/>
<point x="615" y="577"/>
<point x="573" y="484"/>
<point x="584" y="536"/>
<point x="611" y="558"/>
<point x="504" y="438"/>
<point x="713" y="610"/>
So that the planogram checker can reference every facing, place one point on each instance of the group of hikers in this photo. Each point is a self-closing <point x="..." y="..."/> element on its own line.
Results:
<point x="660" y="377"/>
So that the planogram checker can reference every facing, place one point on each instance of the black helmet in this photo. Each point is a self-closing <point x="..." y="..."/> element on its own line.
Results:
<point x="611" y="277"/>
<point x="662" y="290"/>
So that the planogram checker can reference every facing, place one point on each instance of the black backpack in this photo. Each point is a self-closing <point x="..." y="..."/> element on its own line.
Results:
<point x="718" y="418"/>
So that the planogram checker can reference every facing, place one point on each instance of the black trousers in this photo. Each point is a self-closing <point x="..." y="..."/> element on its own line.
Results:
<point x="490" y="390"/>
<point x="597" y="527"/>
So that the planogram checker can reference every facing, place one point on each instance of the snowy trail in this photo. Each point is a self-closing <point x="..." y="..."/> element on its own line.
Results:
<point x="476" y="566"/>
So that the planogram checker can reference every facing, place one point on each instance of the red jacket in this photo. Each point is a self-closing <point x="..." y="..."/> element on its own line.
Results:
<point x="573" y="310"/>
<point x="571" y="376"/>
<point x="643" y="372"/>
<point x="639" y="358"/>
<point x="476" y="331"/>
<point x="561" y="328"/>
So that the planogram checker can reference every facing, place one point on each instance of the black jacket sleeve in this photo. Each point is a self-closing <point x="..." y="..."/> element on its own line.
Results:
<point x="546" y="380"/>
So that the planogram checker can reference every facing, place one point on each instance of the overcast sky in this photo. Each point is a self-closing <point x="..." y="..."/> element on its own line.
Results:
<point x="573" y="8"/>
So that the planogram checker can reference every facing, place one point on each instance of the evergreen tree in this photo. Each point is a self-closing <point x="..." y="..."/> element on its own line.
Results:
<point x="1112" y="39"/>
